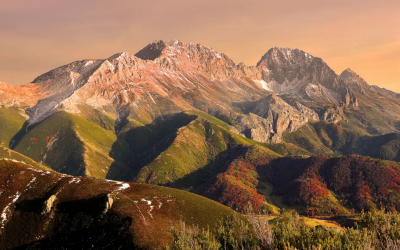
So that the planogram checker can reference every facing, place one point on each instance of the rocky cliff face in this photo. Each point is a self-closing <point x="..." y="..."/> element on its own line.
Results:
<point x="195" y="58"/>
<point x="268" y="118"/>
<point x="48" y="204"/>
<point x="354" y="81"/>
<point x="19" y="96"/>
<point x="296" y="73"/>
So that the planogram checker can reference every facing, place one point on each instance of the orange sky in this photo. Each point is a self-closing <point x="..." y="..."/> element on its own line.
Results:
<point x="37" y="36"/>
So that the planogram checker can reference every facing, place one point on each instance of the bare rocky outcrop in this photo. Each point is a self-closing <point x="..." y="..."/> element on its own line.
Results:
<point x="189" y="57"/>
<point x="256" y="128"/>
<point x="331" y="113"/>
<point x="307" y="112"/>
<point x="108" y="203"/>
<point x="19" y="96"/>
<point x="48" y="204"/>
<point x="268" y="118"/>
<point x="354" y="81"/>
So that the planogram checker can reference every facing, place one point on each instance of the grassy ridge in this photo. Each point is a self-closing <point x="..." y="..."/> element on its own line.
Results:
<point x="10" y="123"/>
<point x="141" y="216"/>
<point x="195" y="151"/>
<point x="70" y="144"/>
<point x="328" y="138"/>
<point x="195" y="146"/>
<point x="11" y="154"/>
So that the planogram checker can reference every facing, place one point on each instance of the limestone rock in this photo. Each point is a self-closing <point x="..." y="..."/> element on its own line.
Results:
<point x="108" y="203"/>
<point x="269" y="117"/>
<point x="48" y="204"/>
<point x="331" y="113"/>
<point x="307" y="112"/>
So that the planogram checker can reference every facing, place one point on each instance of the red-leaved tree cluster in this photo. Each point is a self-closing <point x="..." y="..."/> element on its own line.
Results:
<point x="324" y="185"/>
<point x="360" y="182"/>
<point x="237" y="186"/>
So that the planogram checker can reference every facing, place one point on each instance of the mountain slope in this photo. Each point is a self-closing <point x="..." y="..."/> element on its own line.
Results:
<point x="49" y="210"/>
<point x="328" y="138"/>
<point x="69" y="144"/>
<point x="11" y="121"/>
<point x="318" y="185"/>
<point x="186" y="116"/>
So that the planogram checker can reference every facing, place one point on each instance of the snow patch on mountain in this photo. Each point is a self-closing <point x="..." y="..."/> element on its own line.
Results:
<point x="263" y="83"/>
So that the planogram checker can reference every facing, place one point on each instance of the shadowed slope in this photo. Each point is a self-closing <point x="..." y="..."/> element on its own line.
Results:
<point x="140" y="216"/>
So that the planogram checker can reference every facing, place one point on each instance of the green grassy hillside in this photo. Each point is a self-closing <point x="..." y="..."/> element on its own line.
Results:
<point x="11" y="121"/>
<point x="197" y="152"/>
<point x="191" y="148"/>
<point x="9" y="154"/>
<point x="70" y="144"/>
<point x="329" y="138"/>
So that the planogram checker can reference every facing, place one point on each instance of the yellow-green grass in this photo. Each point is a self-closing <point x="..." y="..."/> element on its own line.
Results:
<point x="70" y="136"/>
<point x="311" y="222"/>
<point x="187" y="153"/>
<point x="275" y="201"/>
<point x="209" y="117"/>
<point x="195" y="146"/>
<point x="306" y="137"/>
<point x="11" y="121"/>
<point x="104" y="120"/>
<point x="8" y="154"/>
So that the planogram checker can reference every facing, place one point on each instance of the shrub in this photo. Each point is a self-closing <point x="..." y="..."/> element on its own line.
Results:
<point x="376" y="230"/>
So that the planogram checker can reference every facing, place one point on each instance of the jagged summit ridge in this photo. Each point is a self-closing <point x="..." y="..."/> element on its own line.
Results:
<point x="280" y="70"/>
<point x="183" y="57"/>
<point x="347" y="73"/>
<point x="354" y="81"/>
<point x="152" y="50"/>
<point x="298" y="74"/>
<point x="280" y="55"/>
<point x="174" y="48"/>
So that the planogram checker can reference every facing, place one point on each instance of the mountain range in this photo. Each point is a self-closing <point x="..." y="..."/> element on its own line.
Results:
<point x="286" y="133"/>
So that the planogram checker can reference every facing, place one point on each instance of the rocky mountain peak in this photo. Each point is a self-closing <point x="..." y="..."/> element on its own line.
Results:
<point x="152" y="50"/>
<point x="282" y="56"/>
<point x="286" y="64"/>
<point x="175" y="42"/>
<point x="19" y="96"/>
<point x="348" y="73"/>
<point x="166" y="76"/>
<point x="176" y="49"/>
<point x="354" y="81"/>
<point x="297" y="73"/>
<point x="183" y="57"/>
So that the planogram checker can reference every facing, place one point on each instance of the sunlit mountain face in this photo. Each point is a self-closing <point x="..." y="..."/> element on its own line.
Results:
<point x="81" y="143"/>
